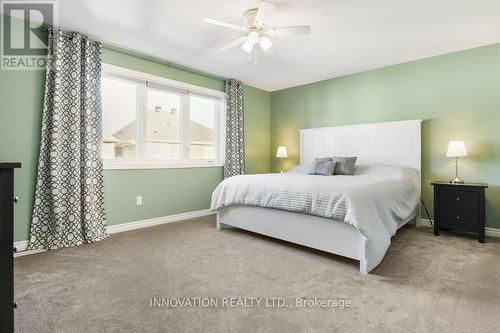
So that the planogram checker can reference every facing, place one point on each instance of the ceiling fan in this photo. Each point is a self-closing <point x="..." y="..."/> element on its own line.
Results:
<point x="256" y="31"/>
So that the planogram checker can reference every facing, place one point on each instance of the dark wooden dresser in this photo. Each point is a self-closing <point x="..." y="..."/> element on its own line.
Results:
<point x="459" y="207"/>
<point x="6" y="245"/>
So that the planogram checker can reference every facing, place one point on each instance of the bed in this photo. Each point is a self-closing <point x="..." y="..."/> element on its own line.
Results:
<point x="352" y="216"/>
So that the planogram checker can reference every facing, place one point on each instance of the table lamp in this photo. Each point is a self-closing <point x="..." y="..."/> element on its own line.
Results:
<point x="281" y="154"/>
<point x="456" y="149"/>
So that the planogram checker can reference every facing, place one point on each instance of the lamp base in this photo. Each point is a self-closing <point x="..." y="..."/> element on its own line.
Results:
<point x="457" y="181"/>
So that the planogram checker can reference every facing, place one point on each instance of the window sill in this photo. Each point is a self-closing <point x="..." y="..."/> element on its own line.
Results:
<point x="146" y="166"/>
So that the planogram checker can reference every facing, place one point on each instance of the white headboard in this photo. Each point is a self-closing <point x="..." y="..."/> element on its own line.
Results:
<point x="394" y="143"/>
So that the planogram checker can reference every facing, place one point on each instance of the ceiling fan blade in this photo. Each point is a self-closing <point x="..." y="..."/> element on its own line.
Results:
<point x="265" y="10"/>
<point x="233" y="44"/>
<point x="224" y="24"/>
<point x="294" y="30"/>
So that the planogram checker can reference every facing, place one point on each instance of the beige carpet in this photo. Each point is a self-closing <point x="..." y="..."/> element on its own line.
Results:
<point x="449" y="283"/>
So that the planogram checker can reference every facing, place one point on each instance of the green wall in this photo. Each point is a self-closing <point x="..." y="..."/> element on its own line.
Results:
<point x="21" y="100"/>
<point x="257" y="130"/>
<point x="457" y="95"/>
<point x="164" y="191"/>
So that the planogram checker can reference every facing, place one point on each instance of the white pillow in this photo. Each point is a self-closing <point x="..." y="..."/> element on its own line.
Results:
<point x="301" y="169"/>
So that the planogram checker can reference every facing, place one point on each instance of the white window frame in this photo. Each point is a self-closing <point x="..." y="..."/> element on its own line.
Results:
<point x="147" y="80"/>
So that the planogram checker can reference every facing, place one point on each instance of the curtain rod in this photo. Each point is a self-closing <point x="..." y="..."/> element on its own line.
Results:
<point x="147" y="56"/>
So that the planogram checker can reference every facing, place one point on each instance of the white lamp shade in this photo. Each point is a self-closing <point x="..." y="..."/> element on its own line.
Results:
<point x="456" y="149"/>
<point x="281" y="153"/>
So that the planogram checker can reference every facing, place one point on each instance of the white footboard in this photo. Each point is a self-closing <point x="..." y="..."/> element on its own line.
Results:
<point x="312" y="231"/>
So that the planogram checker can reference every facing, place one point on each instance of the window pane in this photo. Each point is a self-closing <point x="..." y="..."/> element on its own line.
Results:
<point x="202" y="128"/>
<point x="163" y="121"/>
<point x="119" y="102"/>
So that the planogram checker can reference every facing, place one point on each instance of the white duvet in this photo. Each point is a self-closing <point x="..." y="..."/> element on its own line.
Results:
<point x="374" y="200"/>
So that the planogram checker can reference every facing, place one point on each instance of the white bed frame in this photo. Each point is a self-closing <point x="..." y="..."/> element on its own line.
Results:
<point x="392" y="143"/>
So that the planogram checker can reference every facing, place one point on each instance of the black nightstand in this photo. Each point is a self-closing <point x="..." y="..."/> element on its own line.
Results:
<point x="459" y="207"/>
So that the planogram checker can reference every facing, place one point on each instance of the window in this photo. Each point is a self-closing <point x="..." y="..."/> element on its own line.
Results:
<point x="119" y="102"/>
<point x="152" y="122"/>
<point x="163" y="121"/>
<point x="202" y="127"/>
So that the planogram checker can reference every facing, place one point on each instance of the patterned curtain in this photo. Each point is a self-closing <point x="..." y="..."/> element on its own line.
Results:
<point x="68" y="208"/>
<point x="235" y="139"/>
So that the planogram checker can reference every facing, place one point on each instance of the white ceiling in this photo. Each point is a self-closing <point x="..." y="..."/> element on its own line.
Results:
<point x="347" y="36"/>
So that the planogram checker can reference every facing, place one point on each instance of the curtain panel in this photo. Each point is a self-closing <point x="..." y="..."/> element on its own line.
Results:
<point x="69" y="201"/>
<point x="235" y="130"/>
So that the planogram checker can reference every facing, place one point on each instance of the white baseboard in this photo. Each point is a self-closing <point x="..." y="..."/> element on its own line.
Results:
<point x="491" y="232"/>
<point x="114" y="229"/>
<point x="423" y="223"/>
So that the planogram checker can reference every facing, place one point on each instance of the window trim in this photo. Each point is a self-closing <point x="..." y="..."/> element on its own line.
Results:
<point x="153" y="81"/>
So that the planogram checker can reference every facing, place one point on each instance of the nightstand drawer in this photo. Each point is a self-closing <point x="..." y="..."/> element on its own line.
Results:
<point x="459" y="199"/>
<point x="459" y="219"/>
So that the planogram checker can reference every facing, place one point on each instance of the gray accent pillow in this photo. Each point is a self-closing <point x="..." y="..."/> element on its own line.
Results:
<point x="323" y="168"/>
<point x="344" y="165"/>
<point x="316" y="160"/>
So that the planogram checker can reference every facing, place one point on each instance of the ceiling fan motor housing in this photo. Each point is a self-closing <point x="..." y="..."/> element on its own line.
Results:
<point x="249" y="16"/>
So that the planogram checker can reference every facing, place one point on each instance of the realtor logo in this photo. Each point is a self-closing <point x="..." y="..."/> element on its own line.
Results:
<point x="24" y="34"/>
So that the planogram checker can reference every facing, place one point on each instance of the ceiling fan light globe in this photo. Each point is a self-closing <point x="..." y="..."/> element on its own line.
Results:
<point x="247" y="46"/>
<point x="253" y="37"/>
<point x="265" y="43"/>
